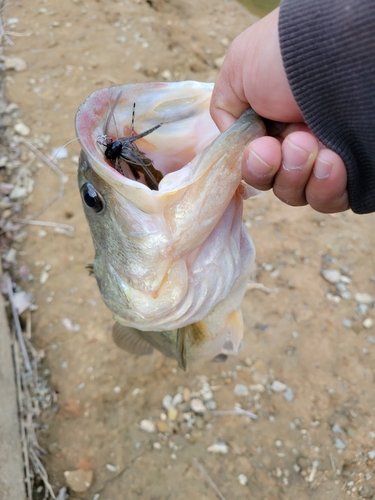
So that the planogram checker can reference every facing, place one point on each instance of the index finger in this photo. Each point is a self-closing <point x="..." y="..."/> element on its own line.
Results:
<point x="226" y="105"/>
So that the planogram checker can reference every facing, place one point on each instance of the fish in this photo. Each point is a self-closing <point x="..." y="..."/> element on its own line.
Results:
<point x="172" y="263"/>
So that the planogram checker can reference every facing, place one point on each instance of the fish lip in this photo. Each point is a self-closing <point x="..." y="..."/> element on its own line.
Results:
<point x="90" y="118"/>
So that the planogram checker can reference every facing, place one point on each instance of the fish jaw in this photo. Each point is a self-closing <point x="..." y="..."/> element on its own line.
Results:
<point x="187" y="128"/>
<point x="169" y="259"/>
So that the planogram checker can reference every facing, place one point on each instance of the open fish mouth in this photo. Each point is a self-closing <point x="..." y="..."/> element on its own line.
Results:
<point x="172" y="257"/>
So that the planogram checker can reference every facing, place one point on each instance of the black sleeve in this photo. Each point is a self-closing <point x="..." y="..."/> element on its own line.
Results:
<point x="328" y="50"/>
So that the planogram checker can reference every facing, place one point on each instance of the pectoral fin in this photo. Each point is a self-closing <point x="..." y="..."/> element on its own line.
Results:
<point x="181" y="348"/>
<point x="131" y="340"/>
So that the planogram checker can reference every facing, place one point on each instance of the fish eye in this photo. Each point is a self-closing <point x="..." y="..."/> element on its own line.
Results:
<point x="91" y="198"/>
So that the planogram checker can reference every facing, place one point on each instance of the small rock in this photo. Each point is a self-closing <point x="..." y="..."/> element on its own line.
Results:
<point x="366" y="491"/>
<point x="337" y="429"/>
<point x="278" y="443"/>
<point x="368" y="323"/>
<point x="162" y="426"/>
<point x="346" y="322"/>
<point x="18" y="192"/>
<point x="156" y="446"/>
<point x="22" y="129"/>
<point x="111" y="467"/>
<point x="211" y="404"/>
<point x="278" y="386"/>
<point x="206" y="392"/>
<point x="167" y="402"/>
<point x="364" y="298"/>
<point x="187" y="394"/>
<point x="371" y="454"/>
<point x="257" y="388"/>
<point x="219" y="62"/>
<point x="43" y="276"/>
<point x="339" y="443"/>
<point x="197" y="406"/>
<point x="172" y="413"/>
<point x="60" y="153"/>
<point x="68" y="324"/>
<point x="79" y="480"/>
<point x="166" y="75"/>
<point x="221" y="448"/>
<point x="178" y="399"/>
<point x="331" y="275"/>
<point x="303" y="462"/>
<point x="362" y="308"/>
<point x="147" y="425"/>
<point x="10" y="256"/>
<point x="15" y="63"/>
<point x="371" y="339"/>
<point x="242" y="479"/>
<point x="241" y="390"/>
<point x="288" y="395"/>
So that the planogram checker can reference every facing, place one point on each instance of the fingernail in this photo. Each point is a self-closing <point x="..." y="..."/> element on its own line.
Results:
<point x="322" y="169"/>
<point x="294" y="158"/>
<point x="257" y="166"/>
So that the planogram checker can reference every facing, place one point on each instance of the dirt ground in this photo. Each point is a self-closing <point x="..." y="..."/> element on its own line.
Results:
<point x="307" y="367"/>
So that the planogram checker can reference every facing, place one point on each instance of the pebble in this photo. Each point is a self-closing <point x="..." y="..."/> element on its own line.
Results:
<point x="10" y="256"/>
<point x="366" y="491"/>
<point x="219" y="62"/>
<point x="79" y="480"/>
<point x="371" y="454"/>
<point x="220" y="448"/>
<point x="337" y="429"/>
<point x="364" y="298"/>
<point x="178" y="399"/>
<point x="167" y="402"/>
<point x="288" y="395"/>
<point x="111" y="467"/>
<point x="16" y="63"/>
<point x="257" y="388"/>
<point x="362" y="308"/>
<point x="197" y="406"/>
<point x="156" y="446"/>
<point x="206" y="392"/>
<point x="162" y="426"/>
<point x="68" y="324"/>
<point x="242" y="479"/>
<point x="339" y="443"/>
<point x="166" y="75"/>
<point x="241" y="390"/>
<point x="371" y="339"/>
<point x="22" y="129"/>
<point x="172" y="413"/>
<point x="278" y="386"/>
<point x="347" y="323"/>
<point x="211" y="404"/>
<point x="331" y="275"/>
<point x="147" y="425"/>
<point x="368" y="323"/>
<point x="60" y="153"/>
<point x="18" y="192"/>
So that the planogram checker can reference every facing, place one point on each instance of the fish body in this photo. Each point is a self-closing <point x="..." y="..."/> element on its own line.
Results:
<point x="172" y="264"/>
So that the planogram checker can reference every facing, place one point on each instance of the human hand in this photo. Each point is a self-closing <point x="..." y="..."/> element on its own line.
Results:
<point x="299" y="169"/>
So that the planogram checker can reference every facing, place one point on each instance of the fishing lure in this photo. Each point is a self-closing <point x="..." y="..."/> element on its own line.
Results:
<point x="125" y="156"/>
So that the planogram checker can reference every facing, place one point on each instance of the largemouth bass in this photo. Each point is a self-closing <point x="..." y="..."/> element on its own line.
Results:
<point x="172" y="261"/>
